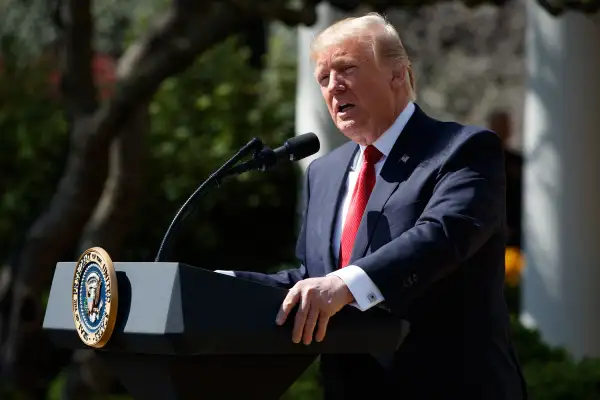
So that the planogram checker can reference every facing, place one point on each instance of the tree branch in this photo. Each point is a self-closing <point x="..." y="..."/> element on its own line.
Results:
<point x="278" y="11"/>
<point x="170" y="48"/>
<point x="382" y="5"/>
<point x="554" y="7"/>
<point x="74" y="20"/>
<point x="112" y="218"/>
<point x="558" y="7"/>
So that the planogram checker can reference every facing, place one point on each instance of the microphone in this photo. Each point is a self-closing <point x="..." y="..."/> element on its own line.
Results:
<point x="264" y="158"/>
<point x="294" y="149"/>
<point x="215" y="179"/>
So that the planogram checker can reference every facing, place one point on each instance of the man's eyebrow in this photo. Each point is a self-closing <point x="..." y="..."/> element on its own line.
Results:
<point x="334" y="63"/>
<point x="343" y="60"/>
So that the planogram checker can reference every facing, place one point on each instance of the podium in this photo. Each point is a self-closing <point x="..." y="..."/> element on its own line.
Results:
<point x="183" y="332"/>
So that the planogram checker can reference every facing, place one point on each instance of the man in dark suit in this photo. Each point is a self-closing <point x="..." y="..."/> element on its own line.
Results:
<point x="409" y="216"/>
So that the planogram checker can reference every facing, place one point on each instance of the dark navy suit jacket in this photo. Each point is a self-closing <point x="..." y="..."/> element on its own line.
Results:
<point x="432" y="239"/>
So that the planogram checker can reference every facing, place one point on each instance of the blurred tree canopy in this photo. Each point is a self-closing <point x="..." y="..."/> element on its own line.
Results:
<point x="196" y="120"/>
<point x="33" y="143"/>
<point x="84" y="165"/>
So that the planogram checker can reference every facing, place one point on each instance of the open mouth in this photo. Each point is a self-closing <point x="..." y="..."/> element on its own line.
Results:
<point x="344" y="107"/>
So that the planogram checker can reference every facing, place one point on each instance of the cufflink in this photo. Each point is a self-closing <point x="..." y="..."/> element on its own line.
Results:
<point x="371" y="297"/>
<point x="409" y="281"/>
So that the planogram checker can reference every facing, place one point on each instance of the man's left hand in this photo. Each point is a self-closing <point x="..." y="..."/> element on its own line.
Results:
<point x="319" y="299"/>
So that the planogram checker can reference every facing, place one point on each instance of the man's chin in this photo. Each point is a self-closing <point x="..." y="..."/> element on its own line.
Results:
<point x="348" y="128"/>
<point x="351" y="131"/>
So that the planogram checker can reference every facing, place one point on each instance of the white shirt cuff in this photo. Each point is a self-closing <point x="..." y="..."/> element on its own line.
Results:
<point x="366" y="293"/>
<point x="220" y="271"/>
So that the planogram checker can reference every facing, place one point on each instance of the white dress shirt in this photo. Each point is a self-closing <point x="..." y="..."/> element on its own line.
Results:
<point x="365" y="292"/>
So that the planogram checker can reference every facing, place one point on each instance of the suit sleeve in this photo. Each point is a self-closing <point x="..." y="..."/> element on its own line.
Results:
<point x="464" y="211"/>
<point x="289" y="277"/>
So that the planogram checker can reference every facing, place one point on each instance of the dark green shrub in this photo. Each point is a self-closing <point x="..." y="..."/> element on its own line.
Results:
<point x="531" y="348"/>
<point x="551" y="374"/>
<point x="563" y="380"/>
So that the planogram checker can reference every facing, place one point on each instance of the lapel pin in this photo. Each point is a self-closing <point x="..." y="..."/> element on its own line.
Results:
<point x="404" y="158"/>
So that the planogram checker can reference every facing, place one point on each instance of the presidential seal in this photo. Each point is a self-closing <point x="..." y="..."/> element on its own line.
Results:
<point x="95" y="297"/>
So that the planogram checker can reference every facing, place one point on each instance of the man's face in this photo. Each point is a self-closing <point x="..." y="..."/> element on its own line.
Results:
<point x="363" y="98"/>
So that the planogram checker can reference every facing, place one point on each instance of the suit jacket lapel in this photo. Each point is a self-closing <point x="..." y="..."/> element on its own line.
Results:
<point x="402" y="160"/>
<point x="335" y="184"/>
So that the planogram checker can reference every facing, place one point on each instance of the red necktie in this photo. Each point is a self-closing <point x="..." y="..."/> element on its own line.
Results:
<point x="362" y="191"/>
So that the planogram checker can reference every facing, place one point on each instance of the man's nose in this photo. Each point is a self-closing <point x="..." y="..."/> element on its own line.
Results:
<point x="336" y="84"/>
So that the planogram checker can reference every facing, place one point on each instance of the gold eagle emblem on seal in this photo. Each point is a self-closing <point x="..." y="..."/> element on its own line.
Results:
<point x="95" y="297"/>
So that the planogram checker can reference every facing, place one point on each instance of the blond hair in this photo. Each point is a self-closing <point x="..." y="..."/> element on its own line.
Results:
<point x="374" y="30"/>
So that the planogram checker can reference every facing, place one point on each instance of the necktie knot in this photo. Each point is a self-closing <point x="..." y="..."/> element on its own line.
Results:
<point x="372" y="154"/>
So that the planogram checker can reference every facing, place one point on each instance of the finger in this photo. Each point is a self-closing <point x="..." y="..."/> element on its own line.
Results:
<point x="287" y="305"/>
<point x="301" y="316"/>
<point x="322" y="328"/>
<point x="309" y="326"/>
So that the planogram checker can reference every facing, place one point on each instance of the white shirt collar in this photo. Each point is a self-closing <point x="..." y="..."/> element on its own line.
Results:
<point x="386" y="141"/>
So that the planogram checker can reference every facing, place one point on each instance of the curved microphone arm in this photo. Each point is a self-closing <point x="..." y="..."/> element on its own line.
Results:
<point x="255" y="145"/>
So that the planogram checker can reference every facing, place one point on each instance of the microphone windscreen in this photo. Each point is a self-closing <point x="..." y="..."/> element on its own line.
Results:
<point x="303" y="146"/>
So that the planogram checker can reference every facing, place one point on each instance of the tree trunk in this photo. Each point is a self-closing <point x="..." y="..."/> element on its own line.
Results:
<point x="28" y="360"/>
<point x="107" y="228"/>
<point x="113" y="217"/>
<point x="25" y="351"/>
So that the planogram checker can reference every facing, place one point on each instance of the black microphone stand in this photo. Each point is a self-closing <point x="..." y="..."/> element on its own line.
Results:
<point x="262" y="160"/>
<point x="255" y="145"/>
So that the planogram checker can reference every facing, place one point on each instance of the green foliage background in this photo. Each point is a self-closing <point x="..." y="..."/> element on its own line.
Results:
<point x="33" y="143"/>
<point x="198" y="121"/>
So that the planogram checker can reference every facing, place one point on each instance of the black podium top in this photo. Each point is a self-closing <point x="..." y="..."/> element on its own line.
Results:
<point x="175" y="309"/>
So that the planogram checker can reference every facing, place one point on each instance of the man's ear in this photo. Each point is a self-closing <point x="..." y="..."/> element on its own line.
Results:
<point x="398" y="77"/>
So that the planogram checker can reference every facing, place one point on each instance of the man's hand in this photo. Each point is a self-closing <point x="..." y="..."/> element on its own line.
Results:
<point x="319" y="299"/>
